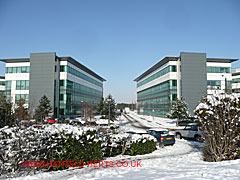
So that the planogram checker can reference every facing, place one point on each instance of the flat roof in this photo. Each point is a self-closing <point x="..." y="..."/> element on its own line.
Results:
<point x="15" y="60"/>
<point x="68" y="58"/>
<point x="221" y="60"/>
<point x="156" y="66"/>
<point x="175" y="58"/>
<point x="81" y="66"/>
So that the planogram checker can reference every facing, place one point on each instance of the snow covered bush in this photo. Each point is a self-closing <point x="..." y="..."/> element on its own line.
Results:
<point x="141" y="144"/>
<point x="127" y="144"/>
<point x="52" y="143"/>
<point x="219" y="116"/>
<point x="85" y="148"/>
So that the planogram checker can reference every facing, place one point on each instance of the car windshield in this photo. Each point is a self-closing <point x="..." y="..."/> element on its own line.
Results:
<point x="163" y="132"/>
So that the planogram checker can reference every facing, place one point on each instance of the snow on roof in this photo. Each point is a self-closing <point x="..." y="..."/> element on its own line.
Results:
<point x="192" y="124"/>
<point x="105" y="121"/>
<point x="137" y="131"/>
<point x="158" y="129"/>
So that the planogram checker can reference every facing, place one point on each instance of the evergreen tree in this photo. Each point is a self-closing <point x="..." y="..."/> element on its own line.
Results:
<point x="109" y="104"/>
<point x="100" y="107"/>
<point x="6" y="115"/>
<point x="179" y="110"/>
<point x="44" y="108"/>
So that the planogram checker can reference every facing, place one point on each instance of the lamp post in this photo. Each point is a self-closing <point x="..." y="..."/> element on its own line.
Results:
<point x="109" y="100"/>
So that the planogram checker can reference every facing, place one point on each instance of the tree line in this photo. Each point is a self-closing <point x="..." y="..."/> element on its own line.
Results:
<point x="11" y="115"/>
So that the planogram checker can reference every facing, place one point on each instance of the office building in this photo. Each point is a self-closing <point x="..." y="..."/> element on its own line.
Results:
<point x="68" y="84"/>
<point x="236" y="80"/>
<point x="2" y="85"/>
<point x="189" y="76"/>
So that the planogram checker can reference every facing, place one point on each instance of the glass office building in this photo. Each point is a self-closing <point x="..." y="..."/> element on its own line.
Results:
<point x="189" y="76"/>
<point x="67" y="83"/>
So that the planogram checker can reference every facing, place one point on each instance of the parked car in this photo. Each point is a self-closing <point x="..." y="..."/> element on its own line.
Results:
<point x="140" y="132"/>
<point x="184" y="122"/>
<point x="51" y="120"/>
<point x="37" y="125"/>
<point x="163" y="136"/>
<point x="191" y="130"/>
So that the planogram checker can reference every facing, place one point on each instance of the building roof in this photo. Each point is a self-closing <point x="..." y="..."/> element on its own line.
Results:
<point x="79" y="65"/>
<point x="156" y="66"/>
<point x="175" y="58"/>
<point x="221" y="60"/>
<point x="15" y="60"/>
<point x="69" y="59"/>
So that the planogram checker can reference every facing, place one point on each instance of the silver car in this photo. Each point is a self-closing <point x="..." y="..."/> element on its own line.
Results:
<point x="191" y="130"/>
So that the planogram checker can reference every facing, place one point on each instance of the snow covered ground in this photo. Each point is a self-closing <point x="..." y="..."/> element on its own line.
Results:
<point x="150" y="121"/>
<point x="181" y="161"/>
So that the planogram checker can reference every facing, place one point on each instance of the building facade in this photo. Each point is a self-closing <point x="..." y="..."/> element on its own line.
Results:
<point x="236" y="80"/>
<point x="2" y="85"/>
<point x="189" y="76"/>
<point x="68" y="84"/>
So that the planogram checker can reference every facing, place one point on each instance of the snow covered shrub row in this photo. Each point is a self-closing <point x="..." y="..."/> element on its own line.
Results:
<point x="141" y="145"/>
<point x="85" y="149"/>
<point x="126" y="144"/>
<point x="52" y="143"/>
<point x="219" y="116"/>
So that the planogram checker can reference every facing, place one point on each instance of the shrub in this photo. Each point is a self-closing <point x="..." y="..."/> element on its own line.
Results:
<point x="53" y="143"/>
<point x="142" y="145"/>
<point x="128" y="144"/>
<point x="84" y="148"/>
<point x="219" y="118"/>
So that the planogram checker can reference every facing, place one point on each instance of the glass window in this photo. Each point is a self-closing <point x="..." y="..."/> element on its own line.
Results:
<point x="217" y="69"/>
<point x="218" y="83"/>
<point x="61" y="97"/>
<point x="27" y="69"/>
<point x="227" y="70"/>
<point x="174" y="68"/>
<point x="27" y="85"/>
<point x="24" y="69"/>
<point x="194" y="128"/>
<point x="8" y="85"/>
<point x="208" y="69"/>
<point x="174" y="82"/>
<point x="10" y="70"/>
<point x="14" y="70"/>
<point x="62" y="68"/>
<point x="174" y="97"/>
<point x="18" y="85"/>
<point x="23" y="87"/>
<point x="18" y="69"/>
<point x="222" y="69"/>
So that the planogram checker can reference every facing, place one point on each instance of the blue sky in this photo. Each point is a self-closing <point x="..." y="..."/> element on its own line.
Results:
<point x="119" y="39"/>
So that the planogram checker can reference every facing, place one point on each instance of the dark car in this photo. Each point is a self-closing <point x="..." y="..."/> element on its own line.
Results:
<point x="163" y="136"/>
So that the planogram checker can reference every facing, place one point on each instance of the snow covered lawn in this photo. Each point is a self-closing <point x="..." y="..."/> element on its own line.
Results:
<point x="181" y="161"/>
